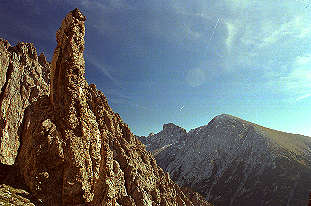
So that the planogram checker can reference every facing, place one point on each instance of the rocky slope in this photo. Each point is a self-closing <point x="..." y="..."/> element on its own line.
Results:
<point x="23" y="78"/>
<point x="234" y="162"/>
<point x="61" y="141"/>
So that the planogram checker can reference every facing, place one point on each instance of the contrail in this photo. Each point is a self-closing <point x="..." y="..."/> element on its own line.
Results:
<point x="214" y="28"/>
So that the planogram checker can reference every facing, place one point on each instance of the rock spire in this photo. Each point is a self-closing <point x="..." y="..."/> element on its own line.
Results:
<point x="74" y="149"/>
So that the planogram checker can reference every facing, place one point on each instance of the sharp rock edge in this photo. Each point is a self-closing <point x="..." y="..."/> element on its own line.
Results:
<point x="61" y="141"/>
<point x="234" y="162"/>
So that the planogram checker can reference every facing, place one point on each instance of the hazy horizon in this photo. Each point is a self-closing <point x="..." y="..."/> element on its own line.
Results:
<point x="185" y="63"/>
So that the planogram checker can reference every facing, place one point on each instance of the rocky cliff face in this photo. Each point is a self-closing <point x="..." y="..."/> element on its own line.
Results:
<point x="170" y="134"/>
<point x="23" y="78"/>
<point x="234" y="162"/>
<point x="169" y="140"/>
<point x="71" y="148"/>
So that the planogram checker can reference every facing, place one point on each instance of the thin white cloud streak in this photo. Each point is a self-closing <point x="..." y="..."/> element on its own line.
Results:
<point x="293" y="79"/>
<point x="117" y="93"/>
<point x="297" y="27"/>
<point x="254" y="34"/>
<point x="248" y="35"/>
<point x="297" y="80"/>
<point x="116" y="96"/>
<point x="303" y="97"/>
<point x="119" y="100"/>
<point x="300" y="76"/>
<point x="104" y="5"/>
<point x="253" y="39"/>
<point x="231" y="30"/>
<point x="270" y="32"/>
<point x="103" y="68"/>
<point x="303" y="60"/>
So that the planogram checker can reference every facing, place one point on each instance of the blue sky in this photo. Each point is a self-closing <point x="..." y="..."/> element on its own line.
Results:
<point x="186" y="61"/>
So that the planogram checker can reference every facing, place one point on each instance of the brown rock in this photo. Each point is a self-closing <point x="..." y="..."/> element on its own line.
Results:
<point x="61" y="136"/>
<point x="22" y="80"/>
<point x="75" y="150"/>
<point x="13" y="196"/>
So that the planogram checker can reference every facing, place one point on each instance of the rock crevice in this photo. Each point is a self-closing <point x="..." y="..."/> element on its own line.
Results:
<point x="75" y="150"/>
<point x="22" y="81"/>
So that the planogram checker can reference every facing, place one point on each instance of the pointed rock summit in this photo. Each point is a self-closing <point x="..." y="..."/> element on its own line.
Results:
<point x="74" y="149"/>
<point x="76" y="122"/>
<point x="67" y="71"/>
<point x="171" y="126"/>
<point x="64" y="126"/>
<point x="231" y="161"/>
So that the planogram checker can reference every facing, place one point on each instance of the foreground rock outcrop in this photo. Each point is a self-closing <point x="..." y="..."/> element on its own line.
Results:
<point x="234" y="162"/>
<point x="23" y="78"/>
<point x="74" y="149"/>
<point x="12" y="196"/>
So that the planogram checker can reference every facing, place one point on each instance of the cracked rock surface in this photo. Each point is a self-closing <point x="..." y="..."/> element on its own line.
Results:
<point x="71" y="148"/>
<point x="234" y="162"/>
<point x="23" y="78"/>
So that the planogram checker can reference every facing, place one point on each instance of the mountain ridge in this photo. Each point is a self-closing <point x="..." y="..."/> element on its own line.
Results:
<point x="62" y="144"/>
<point x="228" y="154"/>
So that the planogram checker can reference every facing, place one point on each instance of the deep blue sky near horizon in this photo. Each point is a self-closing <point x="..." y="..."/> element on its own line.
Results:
<point x="185" y="62"/>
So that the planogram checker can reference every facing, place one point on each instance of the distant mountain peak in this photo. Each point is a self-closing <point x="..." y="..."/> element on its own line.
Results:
<point x="224" y="115"/>
<point x="172" y="126"/>
<point x="150" y="134"/>
<point x="227" y="116"/>
<point x="169" y="126"/>
<point x="232" y="161"/>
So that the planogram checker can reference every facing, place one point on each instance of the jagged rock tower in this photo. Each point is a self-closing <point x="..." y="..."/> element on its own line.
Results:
<point x="75" y="150"/>
<point x="23" y="77"/>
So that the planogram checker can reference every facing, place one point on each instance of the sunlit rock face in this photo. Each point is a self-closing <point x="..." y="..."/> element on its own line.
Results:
<point x="234" y="162"/>
<point x="71" y="148"/>
<point x="23" y="78"/>
<point x="13" y="196"/>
